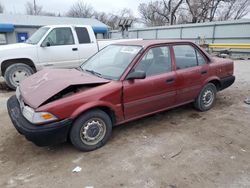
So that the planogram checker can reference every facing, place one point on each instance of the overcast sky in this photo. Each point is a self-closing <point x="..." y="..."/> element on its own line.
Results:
<point x="62" y="6"/>
<point x="18" y="6"/>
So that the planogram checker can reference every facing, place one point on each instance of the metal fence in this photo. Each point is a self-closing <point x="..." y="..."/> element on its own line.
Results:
<point x="237" y="31"/>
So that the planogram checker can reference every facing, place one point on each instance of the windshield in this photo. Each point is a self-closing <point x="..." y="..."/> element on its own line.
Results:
<point x="37" y="36"/>
<point x="112" y="61"/>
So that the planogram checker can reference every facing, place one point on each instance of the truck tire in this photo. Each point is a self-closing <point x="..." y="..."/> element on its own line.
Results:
<point x="206" y="99"/>
<point x="15" y="73"/>
<point x="91" y="130"/>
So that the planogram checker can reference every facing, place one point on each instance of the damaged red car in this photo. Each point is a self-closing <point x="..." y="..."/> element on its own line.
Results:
<point x="122" y="82"/>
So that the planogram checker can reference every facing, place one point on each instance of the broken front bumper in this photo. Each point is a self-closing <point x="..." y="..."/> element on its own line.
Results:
<point x="41" y="135"/>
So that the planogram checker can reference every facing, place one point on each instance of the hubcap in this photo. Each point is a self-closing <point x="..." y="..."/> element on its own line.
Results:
<point x="93" y="131"/>
<point x="208" y="98"/>
<point x="18" y="76"/>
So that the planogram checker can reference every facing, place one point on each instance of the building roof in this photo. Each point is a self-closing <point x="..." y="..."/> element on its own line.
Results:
<point x="38" y="21"/>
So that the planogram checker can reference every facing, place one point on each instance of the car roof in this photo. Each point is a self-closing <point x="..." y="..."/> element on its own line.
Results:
<point x="146" y="43"/>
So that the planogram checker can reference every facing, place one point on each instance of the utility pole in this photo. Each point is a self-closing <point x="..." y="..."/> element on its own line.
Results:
<point x="35" y="11"/>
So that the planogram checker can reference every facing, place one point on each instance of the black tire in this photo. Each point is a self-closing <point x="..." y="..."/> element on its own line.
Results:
<point x="10" y="72"/>
<point x="206" y="99"/>
<point x="79" y="140"/>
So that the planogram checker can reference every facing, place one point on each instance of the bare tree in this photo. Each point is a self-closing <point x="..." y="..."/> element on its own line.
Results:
<point x="1" y="8"/>
<point x="213" y="8"/>
<point x="234" y="9"/>
<point x="33" y="8"/>
<point x="210" y="10"/>
<point x="160" y="12"/>
<point x="149" y="16"/>
<point x="81" y="10"/>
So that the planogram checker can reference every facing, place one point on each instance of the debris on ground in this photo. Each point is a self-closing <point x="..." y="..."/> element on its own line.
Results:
<point x="163" y="156"/>
<point x="176" y="154"/>
<point x="172" y="186"/>
<point x="232" y="157"/>
<point x="77" y="169"/>
<point x="247" y="101"/>
<point x="243" y="150"/>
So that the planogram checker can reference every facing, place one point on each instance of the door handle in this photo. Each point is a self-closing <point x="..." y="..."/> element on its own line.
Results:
<point x="74" y="49"/>
<point x="204" y="72"/>
<point x="170" y="80"/>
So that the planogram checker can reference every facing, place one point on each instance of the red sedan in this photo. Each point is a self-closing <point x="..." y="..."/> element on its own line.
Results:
<point x="123" y="82"/>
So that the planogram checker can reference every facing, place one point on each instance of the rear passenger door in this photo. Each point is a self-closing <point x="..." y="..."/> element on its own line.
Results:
<point x="192" y="70"/>
<point x="155" y="92"/>
<point x="86" y="47"/>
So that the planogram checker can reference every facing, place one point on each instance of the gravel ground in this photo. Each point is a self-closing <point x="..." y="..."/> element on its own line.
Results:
<point x="177" y="148"/>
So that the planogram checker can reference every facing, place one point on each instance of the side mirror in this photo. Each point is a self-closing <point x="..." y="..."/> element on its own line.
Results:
<point x="47" y="44"/>
<point x="136" y="75"/>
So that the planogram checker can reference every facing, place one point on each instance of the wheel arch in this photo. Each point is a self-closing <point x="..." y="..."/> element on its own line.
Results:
<point x="216" y="83"/>
<point x="6" y="63"/>
<point x="104" y="107"/>
<point x="214" y="80"/>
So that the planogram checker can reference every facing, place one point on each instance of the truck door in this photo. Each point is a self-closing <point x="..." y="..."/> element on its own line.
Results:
<point x="87" y="43"/>
<point x="59" y="49"/>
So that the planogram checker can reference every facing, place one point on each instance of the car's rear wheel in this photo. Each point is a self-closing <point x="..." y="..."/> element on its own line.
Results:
<point x="91" y="130"/>
<point x="15" y="73"/>
<point x="206" y="98"/>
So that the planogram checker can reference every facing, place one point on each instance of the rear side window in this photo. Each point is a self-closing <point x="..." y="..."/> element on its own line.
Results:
<point x="83" y="35"/>
<point x="200" y="59"/>
<point x="187" y="56"/>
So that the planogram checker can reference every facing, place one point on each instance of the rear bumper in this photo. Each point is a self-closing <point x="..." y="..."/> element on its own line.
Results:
<point x="226" y="82"/>
<point x="41" y="135"/>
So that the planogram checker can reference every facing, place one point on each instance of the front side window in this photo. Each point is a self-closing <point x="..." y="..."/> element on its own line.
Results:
<point x="112" y="61"/>
<point x="156" y="61"/>
<point x="59" y="36"/>
<point x="37" y="36"/>
<point x="186" y="56"/>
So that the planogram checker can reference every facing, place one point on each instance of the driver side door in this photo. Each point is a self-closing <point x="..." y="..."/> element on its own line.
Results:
<point x="59" y="49"/>
<point x="154" y="93"/>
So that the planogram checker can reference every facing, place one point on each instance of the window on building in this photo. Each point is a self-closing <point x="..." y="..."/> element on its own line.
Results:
<point x="3" y="38"/>
<point x="22" y="36"/>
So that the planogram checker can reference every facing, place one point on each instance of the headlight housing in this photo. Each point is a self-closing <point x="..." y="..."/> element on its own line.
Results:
<point x="37" y="117"/>
<point x="31" y="115"/>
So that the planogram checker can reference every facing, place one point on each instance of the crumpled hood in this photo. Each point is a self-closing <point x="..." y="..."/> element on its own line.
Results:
<point x="15" y="46"/>
<point x="41" y="86"/>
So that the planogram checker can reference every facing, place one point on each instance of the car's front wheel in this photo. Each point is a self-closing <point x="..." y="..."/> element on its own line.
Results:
<point x="91" y="130"/>
<point x="206" y="98"/>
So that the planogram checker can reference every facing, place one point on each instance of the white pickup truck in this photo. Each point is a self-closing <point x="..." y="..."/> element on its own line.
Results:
<point x="57" y="46"/>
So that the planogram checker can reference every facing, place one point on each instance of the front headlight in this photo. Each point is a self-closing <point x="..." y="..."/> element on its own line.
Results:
<point x="37" y="117"/>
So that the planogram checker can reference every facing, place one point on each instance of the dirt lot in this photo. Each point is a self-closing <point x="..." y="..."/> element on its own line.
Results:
<point x="178" y="148"/>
